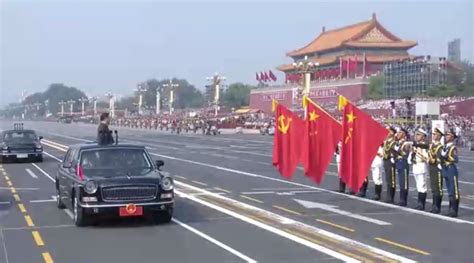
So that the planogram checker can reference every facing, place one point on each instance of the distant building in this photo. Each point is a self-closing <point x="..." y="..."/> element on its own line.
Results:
<point x="412" y="76"/>
<point x="346" y="58"/>
<point x="454" y="51"/>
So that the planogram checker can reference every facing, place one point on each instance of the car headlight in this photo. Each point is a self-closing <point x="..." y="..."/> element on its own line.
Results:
<point x="167" y="184"/>
<point x="90" y="187"/>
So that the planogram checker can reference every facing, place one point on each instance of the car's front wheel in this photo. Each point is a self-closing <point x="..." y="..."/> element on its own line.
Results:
<point x="163" y="217"/>
<point x="79" y="216"/>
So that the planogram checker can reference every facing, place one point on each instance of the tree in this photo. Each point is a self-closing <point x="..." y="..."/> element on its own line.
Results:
<point x="237" y="95"/>
<point x="60" y="92"/>
<point x="376" y="86"/>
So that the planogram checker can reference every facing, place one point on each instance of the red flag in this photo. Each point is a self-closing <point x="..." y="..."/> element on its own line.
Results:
<point x="262" y="77"/>
<point x="266" y="78"/>
<point x="272" y="76"/>
<point x="287" y="141"/>
<point x="321" y="136"/>
<point x="361" y="138"/>
<point x="257" y="77"/>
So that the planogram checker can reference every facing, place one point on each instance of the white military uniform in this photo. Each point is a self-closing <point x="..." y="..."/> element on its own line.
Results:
<point x="420" y="167"/>
<point x="377" y="167"/>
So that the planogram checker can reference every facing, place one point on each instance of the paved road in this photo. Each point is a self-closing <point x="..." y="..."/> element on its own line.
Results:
<point x="231" y="207"/>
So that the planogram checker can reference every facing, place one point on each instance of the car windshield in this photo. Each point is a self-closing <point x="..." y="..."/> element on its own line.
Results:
<point x="19" y="137"/>
<point x="111" y="162"/>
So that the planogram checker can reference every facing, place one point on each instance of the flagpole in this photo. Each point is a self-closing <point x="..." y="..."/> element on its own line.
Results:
<point x="363" y="68"/>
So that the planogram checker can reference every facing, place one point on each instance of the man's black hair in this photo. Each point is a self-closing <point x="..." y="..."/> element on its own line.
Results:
<point x="104" y="116"/>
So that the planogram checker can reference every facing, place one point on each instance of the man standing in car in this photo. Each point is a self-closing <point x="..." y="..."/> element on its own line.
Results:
<point x="104" y="135"/>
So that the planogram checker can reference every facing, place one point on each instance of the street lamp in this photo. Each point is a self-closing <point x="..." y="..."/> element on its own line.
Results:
<point x="305" y="67"/>
<point x="62" y="103"/>
<point x="71" y="104"/>
<point x="158" y="98"/>
<point x="216" y="81"/>
<point x="141" y="89"/>
<point x="82" y="101"/>
<point x="110" y="96"/>
<point x="171" y="85"/>
<point x="94" y="101"/>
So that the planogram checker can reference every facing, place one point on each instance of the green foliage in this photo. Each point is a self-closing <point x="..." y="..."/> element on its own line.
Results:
<point x="237" y="95"/>
<point x="376" y="86"/>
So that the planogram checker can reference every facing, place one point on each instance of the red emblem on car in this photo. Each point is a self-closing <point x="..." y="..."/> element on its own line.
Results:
<point x="131" y="209"/>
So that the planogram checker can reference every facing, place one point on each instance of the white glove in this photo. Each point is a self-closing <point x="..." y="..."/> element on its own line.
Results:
<point x="392" y="160"/>
<point x="439" y="167"/>
<point x="396" y="148"/>
<point x="444" y="153"/>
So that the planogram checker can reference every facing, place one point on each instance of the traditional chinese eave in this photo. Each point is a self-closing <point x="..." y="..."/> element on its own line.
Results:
<point x="369" y="34"/>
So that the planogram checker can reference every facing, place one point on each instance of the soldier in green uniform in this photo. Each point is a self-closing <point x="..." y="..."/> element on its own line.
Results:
<point x="389" y="163"/>
<point x="435" y="169"/>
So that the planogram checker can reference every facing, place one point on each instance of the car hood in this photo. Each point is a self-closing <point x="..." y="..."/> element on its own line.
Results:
<point x="113" y="176"/>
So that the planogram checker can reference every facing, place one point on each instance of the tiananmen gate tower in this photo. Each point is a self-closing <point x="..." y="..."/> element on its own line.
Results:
<point x="345" y="57"/>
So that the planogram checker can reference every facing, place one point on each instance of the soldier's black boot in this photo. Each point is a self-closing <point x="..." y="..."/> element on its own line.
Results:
<point x="342" y="186"/>
<point x="421" y="201"/>
<point x="453" y="207"/>
<point x="363" y="189"/>
<point x="436" y="208"/>
<point x="403" y="197"/>
<point x="390" y="195"/>
<point x="378" y="192"/>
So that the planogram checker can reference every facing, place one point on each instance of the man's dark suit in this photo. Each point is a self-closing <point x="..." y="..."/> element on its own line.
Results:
<point x="104" y="135"/>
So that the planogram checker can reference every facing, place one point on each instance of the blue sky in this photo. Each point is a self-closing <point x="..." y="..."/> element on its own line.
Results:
<point x="101" y="46"/>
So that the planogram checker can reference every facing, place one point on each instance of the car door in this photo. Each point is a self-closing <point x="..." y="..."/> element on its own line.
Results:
<point x="65" y="177"/>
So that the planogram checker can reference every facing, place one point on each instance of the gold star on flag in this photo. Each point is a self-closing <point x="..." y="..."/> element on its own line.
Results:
<point x="313" y="116"/>
<point x="350" y="117"/>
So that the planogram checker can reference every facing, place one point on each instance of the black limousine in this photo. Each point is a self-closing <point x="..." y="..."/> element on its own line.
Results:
<point x="115" y="180"/>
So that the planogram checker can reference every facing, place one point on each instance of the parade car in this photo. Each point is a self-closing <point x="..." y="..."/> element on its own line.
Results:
<point x="119" y="180"/>
<point x="20" y="145"/>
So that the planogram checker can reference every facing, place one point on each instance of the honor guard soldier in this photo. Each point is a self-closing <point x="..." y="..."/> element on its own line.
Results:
<point x="389" y="163"/>
<point x="435" y="169"/>
<point x="377" y="167"/>
<point x="450" y="172"/>
<point x="418" y="158"/>
<point x="401" y="151"/>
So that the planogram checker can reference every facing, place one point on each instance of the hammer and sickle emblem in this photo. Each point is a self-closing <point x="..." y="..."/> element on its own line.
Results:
<point x="282" y="127"/>
<point x="131" y="208"/>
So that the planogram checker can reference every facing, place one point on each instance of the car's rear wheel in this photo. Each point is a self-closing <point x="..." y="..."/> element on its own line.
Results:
<point x="39" y="159"/>
<point x="163" y="217"/>
<point x="59" y="202"/>
<point x="78" y="212"/>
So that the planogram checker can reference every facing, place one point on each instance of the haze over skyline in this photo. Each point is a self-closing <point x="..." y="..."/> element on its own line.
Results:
<point x="100" y="46"/>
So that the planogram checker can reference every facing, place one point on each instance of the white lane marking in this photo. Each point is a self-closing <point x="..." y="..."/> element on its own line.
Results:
<point x="258" y="193"/>
<point x="269" y="228"/>
<point x="43" y="172"/>
<point x="464" y="182"/>
<point x="406" y="209"/>
<point x="52" y="156"/>
<point x="2" y="238"/>
<point x="43" y="201"/>
<point x="334" y="209"/>
<point x="5" y="203"/>
<point x="69" y="213"/>
<point x="280" y="189"/>
<point x="286" y="220"/>
<point x="20" y="188"/>
<point x="31" y="173"/>
<point x="214" y="241"/>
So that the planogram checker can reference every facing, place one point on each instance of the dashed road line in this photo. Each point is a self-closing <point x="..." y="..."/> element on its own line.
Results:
<point x="181" y="177"/>
<point x="22" y="208"/>
<point x="17" y="197"/>
<point x="9" y="183"/>
<point x="47" y="258"/>
<point x="335" y="225"/>
<point x="29" y="221"/>
<point x="393" y="243"/>
<point x="200" y="183"/>
<point x="13" y="190"/>
<point x="287" y="210"/>
<point x="251" y="199"/>
<point x="31" y="173"/>
<point x="37" y="237"/>
<point x="222" y="190"/>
